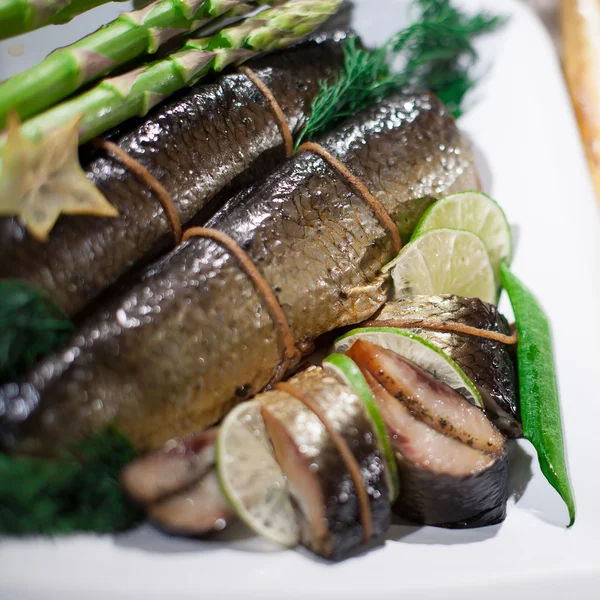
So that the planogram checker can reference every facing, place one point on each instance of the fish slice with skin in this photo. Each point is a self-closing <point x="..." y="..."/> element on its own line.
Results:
<point x="433" y="402"/>
<point x="345" y="410"/>
<point x="443" y="481"/>
<point x="489" y="364"/>
<point x="202" y="146"/>
<point x="199" y="509"/>
<point x="192" y="337"/>
<point x="178" y="464"/>
<point x="178" y="486"/>
<point x="327" y="504"/>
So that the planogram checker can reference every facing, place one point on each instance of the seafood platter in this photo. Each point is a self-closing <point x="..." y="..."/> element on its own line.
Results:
<point x="289" y="296"/>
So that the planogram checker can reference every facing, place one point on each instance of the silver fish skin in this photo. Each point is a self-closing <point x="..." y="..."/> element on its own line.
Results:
<point x="346" y="411"/>
<point x="489" y="364"/>
<point x="327" y="505"/>
<point x="203" y="144"/>
<point x="192" y="336"/>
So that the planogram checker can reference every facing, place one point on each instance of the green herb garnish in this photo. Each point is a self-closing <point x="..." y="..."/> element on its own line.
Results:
<point x="77" y="491"/>
<point x="438" y="50"/>
<point x="31" y="325"/>
<point x="437" y="54"/>
<point x="540" y="407"/>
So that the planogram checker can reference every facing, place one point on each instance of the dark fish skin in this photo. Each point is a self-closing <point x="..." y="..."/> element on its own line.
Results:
<point x="490" y="365"/>
<point x="202" y="145"/>
<point x="346" y="410"/>
<point x="454" y="502"/>
<point x="192" y="337"/>
<point x="327" y="505"/>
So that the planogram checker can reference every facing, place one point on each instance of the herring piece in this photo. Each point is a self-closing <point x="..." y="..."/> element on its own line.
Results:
<point x="431" y="401"/>
<point x="319" y="478"/>
<point x="193" y="336"/>
<point x="319" y="482"/>
<point x="178" y="486"/>
<point x="198" y="510"/>
<point x="489" y="364"/>
<point x="443" y="481"/>
<point x="178" y="464"/>
<point x="347" y="413"/>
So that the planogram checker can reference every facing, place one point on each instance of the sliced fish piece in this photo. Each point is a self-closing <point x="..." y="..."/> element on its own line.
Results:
<point x="433" y="402"/>
<point x="489" y="364"/>
<point x="328" y="505"/>
<point x="178" y="486"/>
<point x="202" y="145"/>
<point x="443" y="482"/>
<point x="346" y="412"/>
<point x="319" y="481"/>
<point x="198" y="510"/>
<point x="423" y="445"/>
<point x="177" y="465"/>
<point x="193" y="336"/>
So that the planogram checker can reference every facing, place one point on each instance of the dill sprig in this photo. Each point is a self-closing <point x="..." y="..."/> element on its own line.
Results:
<point x="438" y="50"/>
<point x="77" y="491"/>
<point x="437" y="54"/>
<point x="365" y="79"/>
<point x="31" y="325"/>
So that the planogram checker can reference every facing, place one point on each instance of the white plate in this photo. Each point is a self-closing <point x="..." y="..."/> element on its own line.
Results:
<point x="523" y="126"/>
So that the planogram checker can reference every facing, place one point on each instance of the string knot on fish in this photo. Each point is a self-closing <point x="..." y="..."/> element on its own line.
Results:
<point x="147" y="177"/>
<point x="163" y="195"/>
<point x="291" y="354"/>
<point x="344" y="450"/>
<point x="360" y="188"/>
<point x="282" y="123"/>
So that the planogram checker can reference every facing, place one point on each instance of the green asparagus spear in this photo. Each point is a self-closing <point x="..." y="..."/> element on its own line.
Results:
<point x="130" y="35"/>
<point x="21" y="16"/>
<point x="119" y="98"/>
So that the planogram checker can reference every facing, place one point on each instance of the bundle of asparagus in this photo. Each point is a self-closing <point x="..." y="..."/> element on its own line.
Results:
<point x="129" y="36"/>
<point x="21" y="16"/>
<point x="132" y="94"/>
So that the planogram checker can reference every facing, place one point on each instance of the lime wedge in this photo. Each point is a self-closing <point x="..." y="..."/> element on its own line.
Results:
<point x="444" y="261"/>
<point x="250" y="477"/>
<point x="344" y="369"/>
<point x="474" y="212"/>
<point x="418" y="350"/>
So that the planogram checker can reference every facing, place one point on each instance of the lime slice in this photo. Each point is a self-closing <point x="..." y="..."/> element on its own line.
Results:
<point x="344" y="369"/>
<point x="420" y="351"/>
<point x="250" y="477"/>
<point x="444" y="261"/>
<point x="474" y="212"/>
